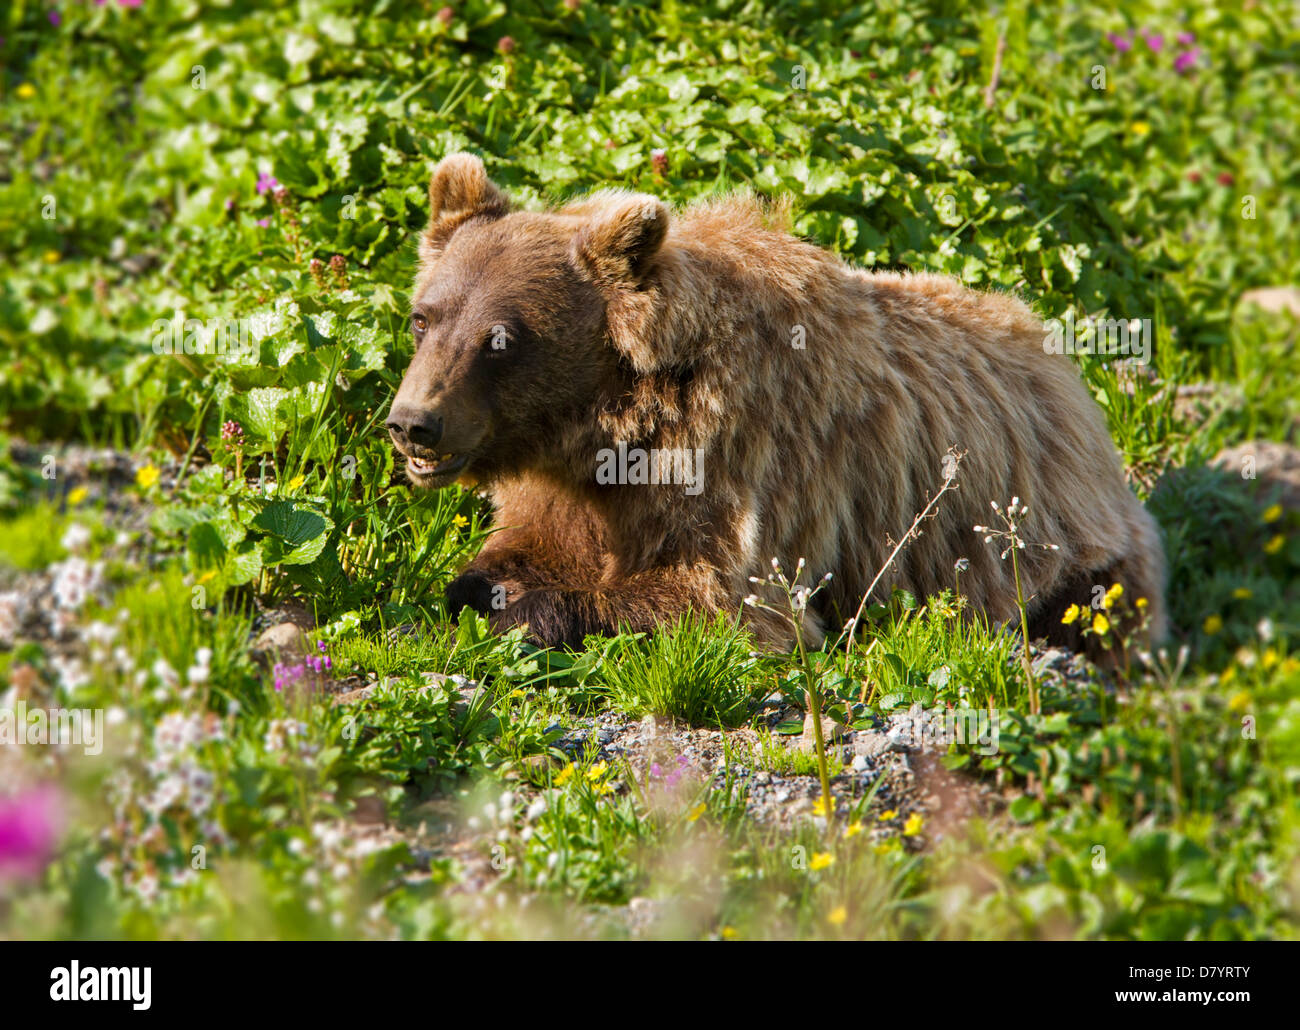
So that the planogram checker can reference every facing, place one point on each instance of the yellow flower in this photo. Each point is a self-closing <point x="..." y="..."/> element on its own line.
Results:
<point x="1240" y="701"/>
<point x="564" y="775"/>
<point x="1112" y="595"/>
<point x="206" y="577"/>
<point x="730" y="933"/>
<point x="460" y="522"/>
<point x="1212" y="624"/>
<point x="601" y="789"/>
<point x="852" y="830"/>
<point x="1142" y="604"/>
<point x="25" y="91"/>
<point x="1272" y="513"/>
<point x="967" y="51"/>
<point x="1270" y="658"/>
<point x="820" y="860"/>
<point x="77" y="494"/>
<point x="838" y="915"/>
<point x="885" y="847"/>
<point x="913" y="825"/>
<point x="597" y="771"/>
<point x="1139" y="128"/>
<point x="1071" y="613"/>
<point x="52" y="257"/>
<point x="1100" y="624"/>
<point x="146" y="477"/>
<point x="296" y="482"/>
<point x="819" y="806"/>
<point x="1275" y="545"/>
<point x="1229" y="674"/>
<point x="697" y="811"/>
<point x="887" y="815"/>
<point x="1242" y="594"/>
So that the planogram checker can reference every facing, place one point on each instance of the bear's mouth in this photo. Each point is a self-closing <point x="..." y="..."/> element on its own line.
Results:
<point x="435" y="468"/>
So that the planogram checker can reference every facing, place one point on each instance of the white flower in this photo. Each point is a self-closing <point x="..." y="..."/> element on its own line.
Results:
<point x="75" y="537"/>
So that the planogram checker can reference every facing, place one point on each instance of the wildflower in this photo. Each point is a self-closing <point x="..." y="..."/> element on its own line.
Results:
<point x="730" y="933"/>
<point x="891" y="813"/>
<point x="821" y="860"/>
<point x="266" y="182"/>
<point x="1240" y="701"/>
<point x="913" y="825"/>
<point x="1139" y="128"/>
<point x="25" y="91"/>
<point x="1187" y="60"/>
<point x="1272" y="513"/>
<point x="1275" y="544"/>
<point x="1071" y="615"/>
<point x="597" y="771"/>
<point x="445" y="14"/>
<point x="52" y="257"/>
<point x="1121" y="43"/>
<point x="262" y="223"/>
<point x="853" y="829"/>
<point x="1242" y="594"/>
<point x="659" y="161"/>
<point x="297" y="481"/>
<point x="147" y="476"/>
<point x="1142" y="604"/>
<point x="77" y="494"/>
<point x="232" y="432"/>
<point x="506" y="44"/>
<point x="1212" y="625"/>
<point x="29" y="829"/>
<point x="696" y="812"/>
<point x="75" y="538"/>
<point x="1186" y="38"/>
<point x="1153" y="40"/>
<point x="1112" y="595"/>
<point x="564" y="775"/>
<point x="460" y="522"/>
<point x="1100" y="624"/>
<point x="838" y="915"/>
<point x="820" y="807"/>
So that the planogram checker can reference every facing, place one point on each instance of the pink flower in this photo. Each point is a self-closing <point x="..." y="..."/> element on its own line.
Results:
<point x="1154" y="40"/>
<point x="266" y="182"/>
<point x="1120" y="43"/>
<point x="55" y="18"/>
<point x="130" y="3"/>
<point x="263" y="222"/>
<point x="1187" y="60"/>
<point x="29" y="831"/>
<point x="1186" y="38"/>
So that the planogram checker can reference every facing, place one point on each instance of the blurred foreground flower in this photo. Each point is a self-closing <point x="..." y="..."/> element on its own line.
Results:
<point x="29" y="830"/>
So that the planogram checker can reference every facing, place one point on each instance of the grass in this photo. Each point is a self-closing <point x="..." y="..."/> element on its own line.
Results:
<point x="1156" y="805"/>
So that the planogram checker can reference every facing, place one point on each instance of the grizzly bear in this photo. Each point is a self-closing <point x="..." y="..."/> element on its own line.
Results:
<point x="658" y="404"/>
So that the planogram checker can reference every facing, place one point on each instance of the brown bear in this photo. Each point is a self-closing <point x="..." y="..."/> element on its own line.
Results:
<point x="658" y="404"/>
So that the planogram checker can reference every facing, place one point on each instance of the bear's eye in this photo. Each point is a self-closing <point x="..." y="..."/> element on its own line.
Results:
<point x="419" y="324"/>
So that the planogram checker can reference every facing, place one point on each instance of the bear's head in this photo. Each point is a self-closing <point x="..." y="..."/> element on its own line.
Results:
<point x="520" y="321"/>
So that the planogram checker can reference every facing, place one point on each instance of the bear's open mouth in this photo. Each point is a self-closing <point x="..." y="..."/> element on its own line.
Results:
<point x="443" y="465"/>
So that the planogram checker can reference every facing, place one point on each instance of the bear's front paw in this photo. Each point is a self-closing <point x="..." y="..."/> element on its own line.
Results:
<point x="555" y="618"/>
<point x="474" y="590"/>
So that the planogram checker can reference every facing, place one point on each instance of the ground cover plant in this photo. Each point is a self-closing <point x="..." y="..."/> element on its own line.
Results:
<point x="267" y="723"/>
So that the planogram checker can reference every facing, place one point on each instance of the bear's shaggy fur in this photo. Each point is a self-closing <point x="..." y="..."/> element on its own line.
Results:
<point x="813" y="402"/>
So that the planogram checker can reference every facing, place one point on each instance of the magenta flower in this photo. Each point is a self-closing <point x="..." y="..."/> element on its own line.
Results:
<point x="1120" y="43"/>
<point x="55" y="18"/>
<point x="1187" y="60"/>
<point x="266" y="182"/>
<point x="1154" y="40"/>
<point x="263" y="222"/>
<point x="1186" y="38"/>
<point x="130" y="3"/>
<point x="29" y="831"/>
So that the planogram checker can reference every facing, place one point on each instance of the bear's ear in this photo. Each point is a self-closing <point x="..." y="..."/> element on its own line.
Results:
<point x="458" y="191"/>
<point x="619" y="242"/>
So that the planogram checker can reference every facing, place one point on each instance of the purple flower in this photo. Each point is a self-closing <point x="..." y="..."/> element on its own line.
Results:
<point x="266" y="182"/>
<point x="656" y="770"/>
<point x="263" y="222"/>
<point x="1186" y="38"/>
<point x="130" y="3"/>
<point x="1154" y="40"/>
<point x="1187" y="60"/>
<point x="29" y="830"/>
<point x="55" y="18"/>
<point x="1120" y="43"/>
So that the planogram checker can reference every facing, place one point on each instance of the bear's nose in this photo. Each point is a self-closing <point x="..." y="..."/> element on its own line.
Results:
<point x="414" y="426"/>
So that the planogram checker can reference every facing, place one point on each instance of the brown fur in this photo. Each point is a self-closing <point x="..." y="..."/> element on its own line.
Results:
<point x="626" y="323"/>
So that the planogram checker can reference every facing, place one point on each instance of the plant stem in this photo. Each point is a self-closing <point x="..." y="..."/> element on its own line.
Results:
<point x="1024" y="631"/>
